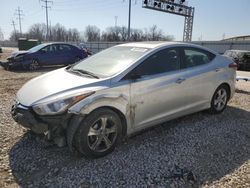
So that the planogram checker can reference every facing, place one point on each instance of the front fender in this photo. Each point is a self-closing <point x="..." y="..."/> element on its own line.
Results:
<point x="117" y="101"/>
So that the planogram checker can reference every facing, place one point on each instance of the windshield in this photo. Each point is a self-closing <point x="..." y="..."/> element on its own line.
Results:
<point x="36" y="48"/>
<point x="110" y="61"/>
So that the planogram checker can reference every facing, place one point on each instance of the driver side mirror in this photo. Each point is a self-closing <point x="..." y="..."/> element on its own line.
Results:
<point x="134" y="76"/>
<point x="43" y="51"/>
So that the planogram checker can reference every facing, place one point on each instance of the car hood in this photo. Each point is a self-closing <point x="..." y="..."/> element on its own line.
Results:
<point x="57" y="83"/>
<point x="16" y="53"/>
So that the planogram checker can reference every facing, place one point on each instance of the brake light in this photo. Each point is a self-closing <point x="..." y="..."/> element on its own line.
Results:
<point x="233" y="66"/>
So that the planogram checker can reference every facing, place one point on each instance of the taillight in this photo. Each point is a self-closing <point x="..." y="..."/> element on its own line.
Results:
<point x="233" y="66"/>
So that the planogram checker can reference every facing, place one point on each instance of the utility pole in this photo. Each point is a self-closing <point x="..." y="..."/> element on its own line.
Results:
<point x="47" y="15"/>
<point x="116" y="17"/>
<point x="129" y="17"/>
<point x="14" y="26"/>
<point x="19" y="13"/>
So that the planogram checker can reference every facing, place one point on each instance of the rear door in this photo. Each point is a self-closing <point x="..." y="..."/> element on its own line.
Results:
<point x="200" y="73"/>
<point x="67" y="54"/>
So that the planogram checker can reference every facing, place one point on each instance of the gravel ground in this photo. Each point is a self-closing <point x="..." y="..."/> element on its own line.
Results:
<point x="198" y="150"/>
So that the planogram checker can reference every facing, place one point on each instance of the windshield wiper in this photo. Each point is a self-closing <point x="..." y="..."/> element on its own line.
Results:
<point x="83" y="72"/>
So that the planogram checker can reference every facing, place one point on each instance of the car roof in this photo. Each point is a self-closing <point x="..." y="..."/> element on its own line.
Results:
<point x="149" y="44"/>
<point x="158" y="44"/>
<point x="49" y="43"/>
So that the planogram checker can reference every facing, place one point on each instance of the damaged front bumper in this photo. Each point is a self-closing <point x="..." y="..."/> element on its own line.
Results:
<point x="25" y="117"/>
<point x="54" y="125"/>
<point x="17" y="64"/>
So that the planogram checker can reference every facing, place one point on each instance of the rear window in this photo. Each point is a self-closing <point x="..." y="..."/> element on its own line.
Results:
<point x="195" y="57"/>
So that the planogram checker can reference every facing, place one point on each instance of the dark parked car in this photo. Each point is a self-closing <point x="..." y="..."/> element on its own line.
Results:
<point x="84" y="47"/>
<point x="46" y="55"/>
<point x="1" y="50"/>
<point x="241" y="57"/>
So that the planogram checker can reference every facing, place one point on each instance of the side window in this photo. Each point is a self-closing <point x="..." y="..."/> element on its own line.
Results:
<point x="64" y="47"/>
<point x="195" y="57"/>
<point x="49" y="49"/>
<point x="163" y="61"/>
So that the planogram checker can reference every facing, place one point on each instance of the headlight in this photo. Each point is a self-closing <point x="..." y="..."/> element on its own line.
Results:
<point x="59" y="106"/>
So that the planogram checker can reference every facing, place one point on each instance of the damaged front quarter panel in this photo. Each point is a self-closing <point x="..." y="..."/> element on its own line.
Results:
<point x="117" y="101"/>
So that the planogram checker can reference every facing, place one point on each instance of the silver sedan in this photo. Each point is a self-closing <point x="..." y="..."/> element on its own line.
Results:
<point x="95" y="103"/>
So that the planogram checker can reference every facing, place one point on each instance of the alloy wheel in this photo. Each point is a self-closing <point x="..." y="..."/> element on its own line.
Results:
<point x="220" y="99"/>
<point x="34" y="65"/>
<point x="102" y="134"/>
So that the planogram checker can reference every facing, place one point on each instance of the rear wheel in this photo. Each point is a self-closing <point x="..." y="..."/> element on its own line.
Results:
<point x="219" y="100"/>
<point x="98" y="133"/>
<point x="34" y="65"/>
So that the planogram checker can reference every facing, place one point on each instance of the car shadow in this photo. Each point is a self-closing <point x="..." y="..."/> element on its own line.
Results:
<point x="242" y="91"/>
<point x="195" y="149"/>
<point x="40" y="69"/>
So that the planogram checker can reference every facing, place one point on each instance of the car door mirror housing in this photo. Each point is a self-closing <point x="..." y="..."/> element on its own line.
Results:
<point x="134" y="76"/>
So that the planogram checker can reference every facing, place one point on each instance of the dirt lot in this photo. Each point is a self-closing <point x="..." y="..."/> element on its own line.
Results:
<point x="198" y="150"/>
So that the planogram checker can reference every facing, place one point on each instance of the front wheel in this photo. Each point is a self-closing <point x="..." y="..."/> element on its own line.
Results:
<point x="34" y="65"/>
<point x="98" y="133"/>
<point x="219" y="100"/>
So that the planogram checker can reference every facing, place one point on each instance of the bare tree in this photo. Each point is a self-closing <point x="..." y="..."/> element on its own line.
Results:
<point x="75" y="35"/>
<point x="113" y="34"/>
<point x="136" y="35"/>
<point x="124" y="33"/>
<point x="155" y="33"/>
<point x="92" y="33"/>
<point x="58" y="33"/>
<point x="15" y="36"/>
<point x="37" y="31"/>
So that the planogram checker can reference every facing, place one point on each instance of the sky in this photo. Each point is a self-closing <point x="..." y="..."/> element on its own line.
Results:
<point x="213" y="19"/>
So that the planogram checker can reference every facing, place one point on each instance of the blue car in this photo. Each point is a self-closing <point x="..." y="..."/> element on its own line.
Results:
<point x="46" y="55"/>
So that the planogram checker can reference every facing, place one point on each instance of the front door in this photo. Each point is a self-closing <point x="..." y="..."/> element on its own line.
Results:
<point x="159" y="91"/>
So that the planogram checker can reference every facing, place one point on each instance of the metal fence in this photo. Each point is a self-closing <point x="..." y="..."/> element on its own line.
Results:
<point x="222" y="46"/>
<point x="8" y="44"/>
<point x="218" y="46"/>
<point x="99" y="46"/>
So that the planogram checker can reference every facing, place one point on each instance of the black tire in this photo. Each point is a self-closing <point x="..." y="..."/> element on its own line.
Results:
<point x="92" y="138"/>
<point x="219" y="100"/>
<point x="34" y="65"/>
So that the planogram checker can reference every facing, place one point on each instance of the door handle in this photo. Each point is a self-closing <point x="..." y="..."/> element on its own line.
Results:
<point x="180" y="80"/>
<point x="217" y="70"/>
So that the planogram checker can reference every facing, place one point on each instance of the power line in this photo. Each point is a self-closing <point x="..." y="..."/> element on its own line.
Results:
<point x="20" y="14"/>
<point x="47" y="15"/>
